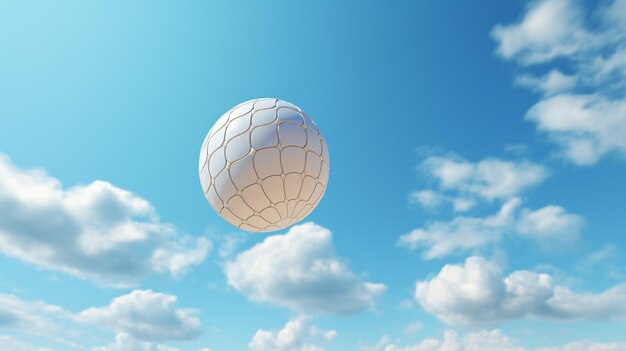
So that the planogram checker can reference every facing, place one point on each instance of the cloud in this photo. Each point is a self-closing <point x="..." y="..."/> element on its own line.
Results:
<point x="583" y="111"/>
<point x="95" y="231"/>
<point x="139" y="319"/>
<point x="33" y="317"/>
<point x="13" y="344"/>
<point x="427" y="198"/>
<point x="229" y="244"/>
<point x="461" y="233"/>
<point x="177" y="256"/>
<point x="586" y="127"/>
<point x="124" y="342"/>
<point x="549" y="224"/>
<point x="430" y="200"/>
<point x="484" y="341"/>
<point x="544" y="226"/>
<point x="296" y="335"/>
<point x="552" y="83"/>
<point x="488" y="340"/>
<point x="476" y="294"/>
<point x="549" y="29"/>
<point x="299" y="270"/>
<point x="488" y="180"/>
<point x="145" y="315"/>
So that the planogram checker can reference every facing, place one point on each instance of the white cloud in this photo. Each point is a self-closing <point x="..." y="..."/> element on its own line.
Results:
<point x="549" y="29"/>
<point x="96" y="231"/>
<point x="427" y="198"/>
<point x="177" y="257"/>
<point x="36" y="316"/>
<point x="123" y="342"/>
<point x="33" y="317"/>
<point x="461" y="233"/>
<point x="488" y="340"/>
<point x="544" y="226"/>
<point x="476" y="294"/>
<point x="588" y="346"/>
<point x="483" y="341"/>
<point x="145" y="315"/>
<point x="462" y="205"/>
<point x="296" y="335"/>
<point x="229" y="244"/>
<point x="550" y="224"/>
<point x="13" y="344"/>
<point x="584" y="111"/>
<point x="488" y="179"/>
<point x="586" y="127"/>
<point x="139" y="319"/>
<point x="430" y="199"/>
<point x="299" y="270"/>
<point x="552" y="83"/>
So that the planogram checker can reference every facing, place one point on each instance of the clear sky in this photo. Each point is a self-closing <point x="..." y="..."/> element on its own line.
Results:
<point x="478" y="158"/>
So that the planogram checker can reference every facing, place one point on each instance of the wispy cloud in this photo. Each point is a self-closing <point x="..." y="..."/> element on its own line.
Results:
<point x="582" y="111"/>
<point x="142" y="317"/>
<point x="464" y="183"/>
<point x="296" y="335"/>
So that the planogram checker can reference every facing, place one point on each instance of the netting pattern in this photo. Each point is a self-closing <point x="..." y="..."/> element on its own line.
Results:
<point x="264" y="165"/>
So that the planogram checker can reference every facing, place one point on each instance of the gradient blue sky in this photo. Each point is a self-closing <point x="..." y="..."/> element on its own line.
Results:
<point x="125" y="92"/>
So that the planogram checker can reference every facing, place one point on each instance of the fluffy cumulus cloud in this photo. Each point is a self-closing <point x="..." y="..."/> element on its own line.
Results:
<point x="300" y="270"/>
<point x="463" y="183"/>
<point x="124" y="342"/>
<point x="476" y="293"/>
<point x="96" y="231"/>
<point x="145" y="315"/>
<point x="487" y="340"/>
<point x="296" y="335"/>
<point x="545" y="226"/>
<point x="582" y="111"/>
<point x="140" y="320"/>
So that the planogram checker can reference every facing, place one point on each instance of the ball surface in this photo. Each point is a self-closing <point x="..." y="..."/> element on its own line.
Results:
<point x="264" y="165"/>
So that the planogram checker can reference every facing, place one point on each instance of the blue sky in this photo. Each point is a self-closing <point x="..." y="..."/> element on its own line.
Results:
<point x="478" y="158"/>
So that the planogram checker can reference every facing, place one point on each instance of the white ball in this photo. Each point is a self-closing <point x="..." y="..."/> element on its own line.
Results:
<point x="264" y="165"/>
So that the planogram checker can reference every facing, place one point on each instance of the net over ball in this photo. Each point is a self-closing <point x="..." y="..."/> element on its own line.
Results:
<point x="264" y="165"/>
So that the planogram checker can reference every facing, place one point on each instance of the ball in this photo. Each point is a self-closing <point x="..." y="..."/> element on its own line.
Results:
<point x="264" y="165"/>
